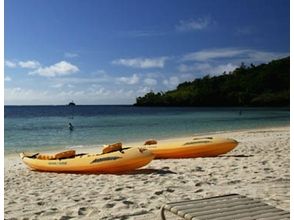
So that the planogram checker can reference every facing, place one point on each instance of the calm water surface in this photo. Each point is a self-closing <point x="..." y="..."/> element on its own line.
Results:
<point x="31" y="128"/>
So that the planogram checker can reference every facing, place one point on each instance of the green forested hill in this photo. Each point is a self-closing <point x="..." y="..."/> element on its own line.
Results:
<point x="262" y="85"/>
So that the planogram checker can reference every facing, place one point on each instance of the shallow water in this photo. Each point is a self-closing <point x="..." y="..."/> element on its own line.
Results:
<point x="29" y="128"/>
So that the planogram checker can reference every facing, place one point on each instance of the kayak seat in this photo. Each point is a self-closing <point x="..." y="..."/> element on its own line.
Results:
<point x="112" y="148"/>
<point x="58" y="156"/>
<point x="150" y="142"/>
<point x="65" y="154"/>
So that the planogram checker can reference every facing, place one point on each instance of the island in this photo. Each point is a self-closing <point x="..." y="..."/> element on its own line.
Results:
<point x="71" y="104"/>
<point x="266" y="85"/>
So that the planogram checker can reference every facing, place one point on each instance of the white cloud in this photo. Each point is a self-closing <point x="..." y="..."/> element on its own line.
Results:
<point x="89" y="80"/>
<point x="206" y="55"/>
<point x="242" y="55"/>
<point x="150" y="82"/>
<point x="58" y="85"/>
<point x="223" y="68"/>
<point x="262" y="56"/>
<point x="153" y="74"/>
<point x="30" y="64"/>
<point x="185" y="68"/>
<point x="206" y="68"/>
<point x="70" y="55"/>
<point x="143" y="90"/>
<point x="23" y="96"/>
<point x="217" y="61"/>
<point x="62" y="68"/>
<point x="143" y="63"/>
<point x="172" y="81"/>
<point x="10" y="64"/>
<point x="102" y="91"/>
<point x="187" y="76"/>
<point x="193" y="25"/>
<point x="134" y="79"/>
<point x="7" y="79"/>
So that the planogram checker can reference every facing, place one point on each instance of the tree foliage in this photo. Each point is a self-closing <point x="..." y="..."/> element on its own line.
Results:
<point x="262" y="85"/>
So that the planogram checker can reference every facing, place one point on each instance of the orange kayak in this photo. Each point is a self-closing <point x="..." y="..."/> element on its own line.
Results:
<point x="115" y="162"/>
<point x="196" y="147"/>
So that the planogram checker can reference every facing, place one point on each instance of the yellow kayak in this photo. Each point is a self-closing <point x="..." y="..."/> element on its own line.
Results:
<point x="196" y="147"/>
<point x="114" y="162"/>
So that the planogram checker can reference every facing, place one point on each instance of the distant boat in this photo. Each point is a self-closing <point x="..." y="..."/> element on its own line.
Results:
<point x="71" y="104"/>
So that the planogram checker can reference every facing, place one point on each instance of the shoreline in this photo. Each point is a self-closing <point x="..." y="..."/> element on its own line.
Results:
<point x="86" y="148"/>
<point x="259" y="167"/>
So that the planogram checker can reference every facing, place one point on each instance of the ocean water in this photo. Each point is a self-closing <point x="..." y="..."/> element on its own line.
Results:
<point x="37" y="128"/>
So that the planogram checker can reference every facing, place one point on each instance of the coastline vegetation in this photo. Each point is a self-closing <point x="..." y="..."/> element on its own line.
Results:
<point x="265" y="85"/>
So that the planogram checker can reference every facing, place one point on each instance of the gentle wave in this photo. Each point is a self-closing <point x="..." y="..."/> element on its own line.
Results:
<point x="107" y="124"/>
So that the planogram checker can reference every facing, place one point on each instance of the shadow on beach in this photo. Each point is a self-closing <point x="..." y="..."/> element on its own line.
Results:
<point x="237" y="155"/>
<point x="149" y="171"/>
<point x="133" y="172"/>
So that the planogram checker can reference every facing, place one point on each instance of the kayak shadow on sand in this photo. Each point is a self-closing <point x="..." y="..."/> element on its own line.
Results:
<point x="132" y="172"/>
<point x="237" y="155"/>
<point x="149" y="171"/>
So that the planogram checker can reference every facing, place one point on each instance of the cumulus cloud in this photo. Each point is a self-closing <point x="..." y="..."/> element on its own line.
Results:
<point x="150" y="82"/>
<point x="143" y="90"/>
<point x="10" y="64"/>
<point x="142" y="63"/>
<point x="193" y="24"/>
<point x="30" y="64"/>
<point x="134" y="79"/>
<point x="62" y="68"/>
<point x="171" y="81"/>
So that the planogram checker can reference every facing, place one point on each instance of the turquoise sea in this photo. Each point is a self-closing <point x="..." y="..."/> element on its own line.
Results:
<point x="37" y="128"/>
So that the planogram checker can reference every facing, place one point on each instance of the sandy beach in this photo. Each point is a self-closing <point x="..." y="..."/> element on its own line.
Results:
<point x="259" y="167"/>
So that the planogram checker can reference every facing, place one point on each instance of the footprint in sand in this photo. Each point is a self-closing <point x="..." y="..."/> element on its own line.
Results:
<point x="128" y="202"/>
<point x="109" y="205"/>
<point x="158" y="192"/>
<point x="64" y="217"/>
<point x="118" y="189"/>
<point x="198" y="184"/>
<point x="82" y="211"/>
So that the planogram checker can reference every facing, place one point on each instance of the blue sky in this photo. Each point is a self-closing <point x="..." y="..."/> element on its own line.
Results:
<point x="110" y="52"/>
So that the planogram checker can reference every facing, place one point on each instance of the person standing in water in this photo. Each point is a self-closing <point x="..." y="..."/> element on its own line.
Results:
<point x="70" y="126"/>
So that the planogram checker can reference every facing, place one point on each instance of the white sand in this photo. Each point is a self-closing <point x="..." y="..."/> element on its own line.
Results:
<point x="259" y="168"/>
